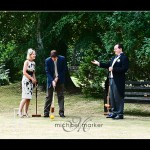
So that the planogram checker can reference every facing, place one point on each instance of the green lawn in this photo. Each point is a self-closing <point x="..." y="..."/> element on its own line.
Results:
<point x="78" y="109"/>
<point x="11" y="95"/>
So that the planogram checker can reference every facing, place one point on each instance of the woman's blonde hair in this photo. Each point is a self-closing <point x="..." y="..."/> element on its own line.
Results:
<point x="30" y="51"/>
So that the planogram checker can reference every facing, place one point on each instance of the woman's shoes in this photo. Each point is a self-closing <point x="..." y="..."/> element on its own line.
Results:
<point x="20" y="114"/>
<point x="26" y="115"/>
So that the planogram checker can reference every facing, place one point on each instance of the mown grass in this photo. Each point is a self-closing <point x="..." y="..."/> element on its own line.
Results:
<point x="74" y="103"/>
<point x="137" y="109"/>
<point x="78" y="109"/>
<point x="10" y="97"/>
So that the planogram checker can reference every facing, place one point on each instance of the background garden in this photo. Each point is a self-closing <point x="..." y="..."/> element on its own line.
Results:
<point x="80" y="36"/>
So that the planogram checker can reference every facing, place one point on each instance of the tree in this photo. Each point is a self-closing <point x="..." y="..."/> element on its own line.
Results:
<point x="80" y="37"/>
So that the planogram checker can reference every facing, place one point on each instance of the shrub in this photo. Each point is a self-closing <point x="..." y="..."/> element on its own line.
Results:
<point x="4" y="78"/>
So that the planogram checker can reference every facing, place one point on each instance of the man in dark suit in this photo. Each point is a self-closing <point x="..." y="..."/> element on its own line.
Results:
<point x="117" y="67"/>
<point x="55" y="67"/>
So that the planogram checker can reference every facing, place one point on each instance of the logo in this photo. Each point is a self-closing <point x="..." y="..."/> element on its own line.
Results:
<point x="78" y="124"/>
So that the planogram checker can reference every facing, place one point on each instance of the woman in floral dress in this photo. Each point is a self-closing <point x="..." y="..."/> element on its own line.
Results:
<point x="28" y="80"/>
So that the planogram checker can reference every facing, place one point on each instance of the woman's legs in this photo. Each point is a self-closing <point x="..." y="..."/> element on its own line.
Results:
<point x="22" y="103"/>
<point x="27" y="106"/>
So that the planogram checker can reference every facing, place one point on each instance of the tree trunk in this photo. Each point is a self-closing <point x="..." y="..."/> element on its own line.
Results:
<point x="70" y="86"/>
<point x="41" y="55"/>
<point x="39" y="39"/>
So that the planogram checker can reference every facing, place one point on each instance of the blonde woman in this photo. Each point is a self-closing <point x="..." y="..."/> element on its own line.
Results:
<point x="28" y="80"/>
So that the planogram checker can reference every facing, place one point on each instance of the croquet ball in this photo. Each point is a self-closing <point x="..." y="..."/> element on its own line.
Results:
<point x="52" y="116"/>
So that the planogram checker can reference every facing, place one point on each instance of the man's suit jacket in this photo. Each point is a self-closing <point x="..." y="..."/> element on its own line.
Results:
<point x="61" y="68"/>
<point x="119" y="69"/>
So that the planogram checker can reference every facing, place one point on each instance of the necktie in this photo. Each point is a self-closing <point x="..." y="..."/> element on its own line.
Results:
<point x="116" y="57"/>
<point x="55" y="67"/>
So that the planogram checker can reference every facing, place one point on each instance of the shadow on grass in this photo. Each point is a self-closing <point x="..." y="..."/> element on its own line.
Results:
<point x="137" y="113"/>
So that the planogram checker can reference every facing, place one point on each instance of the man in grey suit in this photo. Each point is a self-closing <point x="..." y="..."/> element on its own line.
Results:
<point x="55" y="67"/>
<point x="117" y="67"/>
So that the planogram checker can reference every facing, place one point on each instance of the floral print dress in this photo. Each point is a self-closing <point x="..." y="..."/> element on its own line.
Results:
<point x="27" y="85"/>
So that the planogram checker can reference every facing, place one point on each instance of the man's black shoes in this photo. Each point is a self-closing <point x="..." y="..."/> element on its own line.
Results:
<point x="118" y="117"/>
<point x="111" y="116"/>
<point x="115" y="116"/>
<point x="46" y="116"/>
<point x="62" y="115"/>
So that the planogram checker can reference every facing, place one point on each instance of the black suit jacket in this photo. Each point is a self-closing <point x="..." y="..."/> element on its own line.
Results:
<point x="119" y="69"/>
<point x="61" y="68"/>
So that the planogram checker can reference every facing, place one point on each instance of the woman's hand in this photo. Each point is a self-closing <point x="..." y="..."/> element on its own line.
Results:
<point x="33" y="80"/>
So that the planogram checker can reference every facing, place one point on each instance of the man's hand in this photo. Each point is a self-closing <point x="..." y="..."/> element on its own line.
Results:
<point x="56" y="79"/>
<point x="95" y="62"/>
<point x="54" y="84"/>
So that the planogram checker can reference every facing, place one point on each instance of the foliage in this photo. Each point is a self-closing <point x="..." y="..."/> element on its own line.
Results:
<point x="16" y="37"/>
<point x="144" y="54"/>
<point x="4" y="77"/>
<point x="8" y="57"/>
<point x="91" y="78"/>
<point x="131" y="29"/>
<point x="80" y="37"/>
